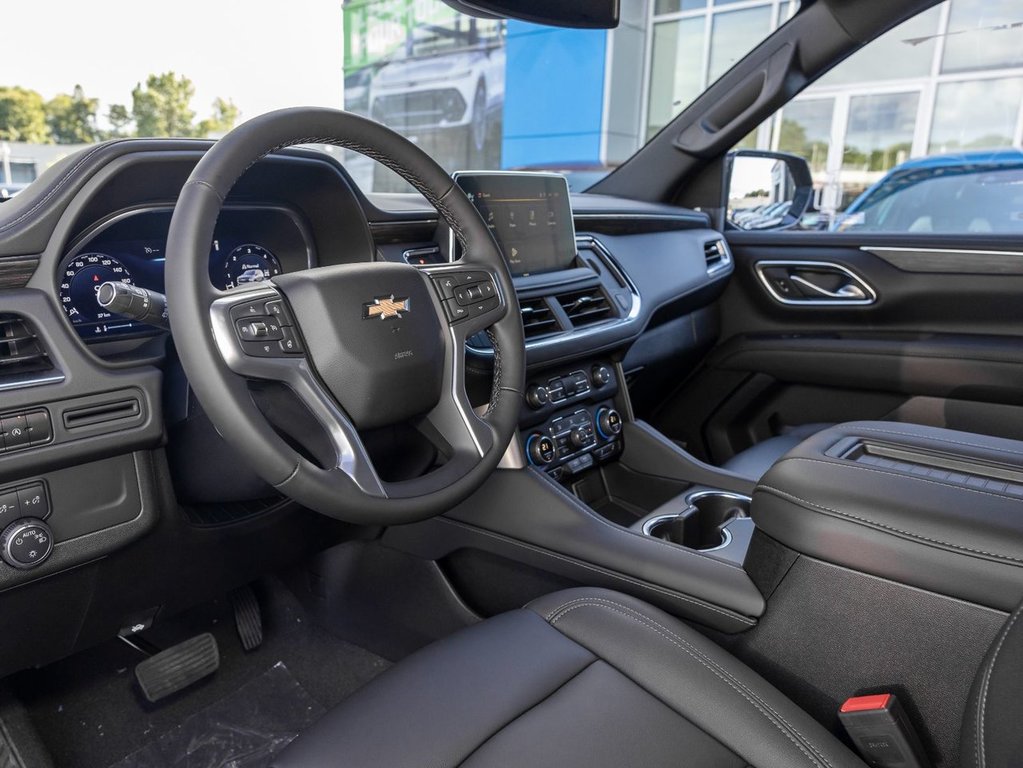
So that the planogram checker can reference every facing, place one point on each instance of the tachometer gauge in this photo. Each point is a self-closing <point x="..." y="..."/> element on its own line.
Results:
<point x="249" y="264"/>
<point x="79" y="282"/>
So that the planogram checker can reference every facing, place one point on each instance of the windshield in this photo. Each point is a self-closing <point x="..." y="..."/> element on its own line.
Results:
<point x="479" y="94"/>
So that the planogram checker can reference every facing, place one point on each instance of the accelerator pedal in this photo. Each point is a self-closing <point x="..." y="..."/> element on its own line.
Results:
<point x="178" y="667"/>
<point x="248" y="618"/>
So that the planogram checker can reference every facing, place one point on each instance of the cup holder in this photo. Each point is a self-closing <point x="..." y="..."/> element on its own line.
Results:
<point x="702" y="525"/>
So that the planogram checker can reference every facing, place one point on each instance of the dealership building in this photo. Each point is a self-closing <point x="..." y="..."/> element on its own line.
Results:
<point x="949" y="80"/>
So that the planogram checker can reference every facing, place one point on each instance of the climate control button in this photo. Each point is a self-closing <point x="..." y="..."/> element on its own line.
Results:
<point x="609" y="423"/>
<point x="537" y="396"/>
<point x="540" y="449"/>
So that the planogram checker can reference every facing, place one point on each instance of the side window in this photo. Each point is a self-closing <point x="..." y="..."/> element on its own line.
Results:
<point x="919" y="132"/>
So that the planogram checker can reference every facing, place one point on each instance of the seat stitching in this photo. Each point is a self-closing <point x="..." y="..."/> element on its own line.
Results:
<point x="607" y="572"/>
<point x="642" y="617"/>
<point x="763" y="707"/>
<point x="865" y="468"/>
<point x="526" y="711"/>
<point x="874" y="523"/>
<point x="985" y="687"/>
<point x="938" y="439"/>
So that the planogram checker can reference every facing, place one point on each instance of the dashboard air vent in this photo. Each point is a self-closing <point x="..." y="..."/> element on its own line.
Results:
<point x="537" y="318"/>
<point x="21" y="351"/>
<point x="717" y="256"/>
<point x="586" y="307"/>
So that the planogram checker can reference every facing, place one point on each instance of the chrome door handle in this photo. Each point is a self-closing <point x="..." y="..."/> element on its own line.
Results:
<point x="847" y="291"/>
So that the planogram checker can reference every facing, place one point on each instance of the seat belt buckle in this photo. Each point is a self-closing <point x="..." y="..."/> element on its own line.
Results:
<point x="882" y="733"/>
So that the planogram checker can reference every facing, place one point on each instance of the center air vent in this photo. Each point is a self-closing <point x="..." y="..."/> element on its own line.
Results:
<point x="537" y="318"/>
<point x="717" y="256"/>
<point x="586" y="307"/>
<point x="21" y="351"/>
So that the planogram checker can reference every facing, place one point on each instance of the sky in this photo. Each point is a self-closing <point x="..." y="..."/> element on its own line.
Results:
<point x="261" y="54"/>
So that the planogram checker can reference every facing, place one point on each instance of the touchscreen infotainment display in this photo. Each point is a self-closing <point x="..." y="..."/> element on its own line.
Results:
<point x="529" y="215"/>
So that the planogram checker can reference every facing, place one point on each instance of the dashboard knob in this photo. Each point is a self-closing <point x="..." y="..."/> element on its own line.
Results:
<point x="609" y="423"/>
<point x="601" y="375"/>
<point x="537" y="396"/>
<point x="579" y="437"/>
<point x="541" y="449"/>
<point x="26" y="543"/>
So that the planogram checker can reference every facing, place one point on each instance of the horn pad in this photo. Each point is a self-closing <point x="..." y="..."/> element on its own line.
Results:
<point x="373" y="335"/>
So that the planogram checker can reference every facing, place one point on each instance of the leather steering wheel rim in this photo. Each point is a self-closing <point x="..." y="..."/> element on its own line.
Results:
<point x="345" y="491"/>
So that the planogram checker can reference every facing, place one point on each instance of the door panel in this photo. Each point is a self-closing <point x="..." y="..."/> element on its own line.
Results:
<point x="939" y="345"/>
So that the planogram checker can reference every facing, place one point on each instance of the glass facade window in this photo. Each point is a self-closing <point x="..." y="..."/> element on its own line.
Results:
<point x="906" y="51"/>
<point x="676" y="73"/>
<point x="733" y="35"/>
<point x="805" y="130"/>
<point x="983" y="34"/>
<point x="993" y="107"/>
<point x="674" y="6"/>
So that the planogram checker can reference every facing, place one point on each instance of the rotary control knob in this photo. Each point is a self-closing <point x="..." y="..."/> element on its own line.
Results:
<point x="609" y="423"/>
<point x="541" y="449"/>
<point x="537" y="396"/>
<point x="26" y="543"/>
<point x="579" y="437"/>
<point x="601" y="375"/>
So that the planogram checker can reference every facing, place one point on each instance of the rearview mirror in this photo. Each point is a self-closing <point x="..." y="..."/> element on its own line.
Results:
<point x="766" y="190"/>
<point x="579" y="14"/>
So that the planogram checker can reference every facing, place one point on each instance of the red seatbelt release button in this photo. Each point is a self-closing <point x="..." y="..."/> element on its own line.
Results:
<point x="882" y="733"/>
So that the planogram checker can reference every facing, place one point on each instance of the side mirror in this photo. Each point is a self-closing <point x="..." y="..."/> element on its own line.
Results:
<point x="766" y="190"/>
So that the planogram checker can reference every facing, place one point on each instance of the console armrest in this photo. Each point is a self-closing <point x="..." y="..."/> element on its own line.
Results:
<point x="931" y="508"/>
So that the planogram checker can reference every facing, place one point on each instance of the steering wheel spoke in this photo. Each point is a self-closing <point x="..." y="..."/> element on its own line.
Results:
<point x="278" y="354"/>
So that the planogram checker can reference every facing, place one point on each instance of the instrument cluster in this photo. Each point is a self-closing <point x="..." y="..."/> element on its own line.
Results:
<point x="250" y="244"/>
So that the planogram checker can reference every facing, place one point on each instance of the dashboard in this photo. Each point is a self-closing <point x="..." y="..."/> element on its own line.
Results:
<point x="129" y="466"/>
<point x="250" y="244"/>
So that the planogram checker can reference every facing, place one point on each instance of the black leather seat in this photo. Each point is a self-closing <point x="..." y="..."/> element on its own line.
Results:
<point x="585" y="677"/>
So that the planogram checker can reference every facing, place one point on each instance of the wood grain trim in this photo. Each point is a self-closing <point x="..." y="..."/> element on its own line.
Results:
<point x="16" y="272"/>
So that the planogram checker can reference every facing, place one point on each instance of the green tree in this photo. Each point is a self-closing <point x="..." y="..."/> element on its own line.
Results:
<point x="72" y="117"/>
<point x="22" y="116"/>
<point x="225" y="115"/>
<point x="162" y="106"/>
<point x="120" y="120"/>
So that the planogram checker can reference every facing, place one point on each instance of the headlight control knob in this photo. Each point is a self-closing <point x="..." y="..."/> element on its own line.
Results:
<point x="601" y="375"/>
<point x="541" y="449"/>
<point x="537" y="397"/>
<point x="609" y="423"/>
<point x="26" y="543"/>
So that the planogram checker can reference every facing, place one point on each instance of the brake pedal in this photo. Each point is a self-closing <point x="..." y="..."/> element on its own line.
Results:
<point x="178" y="667"/>
<point x="248" y="617"/>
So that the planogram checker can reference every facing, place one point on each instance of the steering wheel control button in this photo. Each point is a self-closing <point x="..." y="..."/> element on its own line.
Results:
<point x="447" y="285"/>
<point x="609" y="423"/>
<point x="279" y="312"/>
<point x="455" y="311"/>
<point x="250" y="310"/>
<point x="15" y="432"/>
<point x="541" y="450"/>
<point x="26" y="543"/>
<point x="290" y="343"/>
<point x="259" y="329"/>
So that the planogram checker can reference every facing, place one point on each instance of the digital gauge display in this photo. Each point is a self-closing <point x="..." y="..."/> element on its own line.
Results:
<point x="80" y="281"/>
<point x="249" y="263"/>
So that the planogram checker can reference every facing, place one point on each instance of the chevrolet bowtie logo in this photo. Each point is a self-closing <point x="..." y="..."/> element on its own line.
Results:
<point x="386" y="307"/>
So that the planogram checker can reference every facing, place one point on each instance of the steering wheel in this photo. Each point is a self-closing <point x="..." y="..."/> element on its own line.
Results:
<point x="361" y="345"/>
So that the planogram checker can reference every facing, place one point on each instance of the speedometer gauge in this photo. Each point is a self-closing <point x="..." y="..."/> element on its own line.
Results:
<point x="80" y="280"/>
<point x="249" y="264"/>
